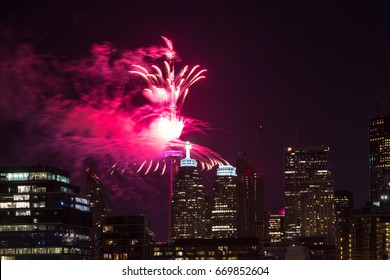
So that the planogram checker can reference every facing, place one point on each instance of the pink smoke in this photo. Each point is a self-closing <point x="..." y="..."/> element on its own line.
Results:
<point x="68" y="113"/>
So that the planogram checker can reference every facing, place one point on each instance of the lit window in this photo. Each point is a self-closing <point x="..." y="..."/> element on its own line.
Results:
<point x="23" y="213"/>
<point x="24" y="189"/>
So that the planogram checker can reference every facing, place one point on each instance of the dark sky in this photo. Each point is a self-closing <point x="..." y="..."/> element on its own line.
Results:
<point x="310" y="73"/>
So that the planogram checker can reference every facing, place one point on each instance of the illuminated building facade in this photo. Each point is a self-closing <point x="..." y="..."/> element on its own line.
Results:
<point x="318" y="247"/>
<point x="371" y="233"/>
<point x="100" y="208"/>
<point x="224" y="206"/>
<point x="126" y="237"/>
<point x="210" y="249"/>
<point x="42" y="216"/>
<point x="188" y="201"/>
<point x="379" y="159"/>
<point x="209" y="209"/>
<point x="309" y="194"/>
<point x="173" y="157"/>
<point x="275" y="221"/>
<point x="343" y="202"/>
<point x="250" y="200"/>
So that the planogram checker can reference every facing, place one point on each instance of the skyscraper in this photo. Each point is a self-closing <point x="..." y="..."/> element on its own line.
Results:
<point x="100" y="208"/>
<point x="309" y="194"/>
<point x="344" y="224"/>
<point x="188" y="201"/>
<point x="172" y="156"/>
<point x="250" y="200"/>
<point x="275" y="221"/>
<point x="42" y="216"/>
<point x="379" y="159"/>
<point x="371" y="224"/>
<point x="224" y="205"/>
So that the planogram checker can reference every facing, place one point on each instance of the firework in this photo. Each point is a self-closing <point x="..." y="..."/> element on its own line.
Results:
<point x="73" y="110"/>
<point x="167" y="91"/>
<point x="82" y="112"/>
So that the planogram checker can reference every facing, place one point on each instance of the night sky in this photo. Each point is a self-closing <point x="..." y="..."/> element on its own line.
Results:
<point x="309" y="73"/>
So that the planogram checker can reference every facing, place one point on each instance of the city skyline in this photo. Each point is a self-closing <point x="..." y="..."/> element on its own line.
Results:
<point x="310" y="75"/>
<point x="128" y="236"/>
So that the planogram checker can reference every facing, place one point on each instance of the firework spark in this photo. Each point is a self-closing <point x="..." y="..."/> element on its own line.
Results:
<point x="167" y="91"/>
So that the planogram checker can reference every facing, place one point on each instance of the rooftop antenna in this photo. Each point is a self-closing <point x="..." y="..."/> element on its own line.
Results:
<point x="188" y="149"/>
